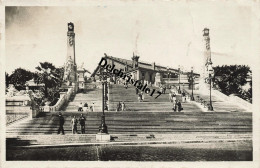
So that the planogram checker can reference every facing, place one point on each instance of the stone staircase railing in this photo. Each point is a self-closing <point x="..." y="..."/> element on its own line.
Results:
<point x="233" y="99"/>
<point x="64" y="97"/>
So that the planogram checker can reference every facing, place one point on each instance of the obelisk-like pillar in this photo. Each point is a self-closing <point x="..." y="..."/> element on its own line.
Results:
<point x="70" y="69"/>
<point x="206" y="61"/>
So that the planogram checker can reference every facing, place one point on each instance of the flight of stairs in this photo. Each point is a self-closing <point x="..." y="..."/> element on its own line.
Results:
<point x="140" y="123"/>
<point x="91" y="96"/>
<point x="150" y="104"/>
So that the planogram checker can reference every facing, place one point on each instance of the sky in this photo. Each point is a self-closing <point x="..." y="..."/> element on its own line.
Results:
<point x="166" y="32"/>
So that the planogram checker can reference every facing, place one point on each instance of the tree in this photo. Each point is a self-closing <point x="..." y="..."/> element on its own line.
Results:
<point x="19" y="77"/>
<point x="230" y="79"/>
<point x="50" y="76"/>
<point x="7" y="79"/>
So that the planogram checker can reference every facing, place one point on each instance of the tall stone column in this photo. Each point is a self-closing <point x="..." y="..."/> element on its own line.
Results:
<point x="206" y="61"/>
<point x="70" y="72"/>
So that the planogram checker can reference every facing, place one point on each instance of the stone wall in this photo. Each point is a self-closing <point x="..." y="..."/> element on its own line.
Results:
<point x="21" y="105"/>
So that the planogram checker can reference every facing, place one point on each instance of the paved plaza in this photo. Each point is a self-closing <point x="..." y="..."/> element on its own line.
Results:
<point x="220" y="151"/>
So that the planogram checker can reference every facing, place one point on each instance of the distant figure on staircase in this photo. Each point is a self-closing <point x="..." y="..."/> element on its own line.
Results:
<point x="164" y="89"/>
<point x="85" y="108"/>
<point x="142" y="96"/>
<point x="174" y="106"/>
<point x="125" y="85"/>
<point x="82" y="120"/>
<point x="179" y="106"/>
<point x="119" y="106"/>
<point x="61" y="120"/>
<point x="183" y="96"/>
<point x="80" y="107"/>
<point x="136" y="91"/>
<point x="170" y="97"/>
<point x="74" y="122"/>
<point x="123" y="106"/>
<point x="173" y="97"/>
<point x="93" y="107"/>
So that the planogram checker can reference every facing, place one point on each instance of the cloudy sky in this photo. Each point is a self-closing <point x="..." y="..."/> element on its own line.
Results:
<point x="168" y="33"/>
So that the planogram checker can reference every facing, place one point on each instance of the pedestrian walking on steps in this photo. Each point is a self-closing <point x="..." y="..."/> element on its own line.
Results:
<point x="82" y="120"/>
<point x="173" y="97"/>
<point x="93" y="107"/>
<point x="123" y="106"/>
<point x="139" y="97"/>
<point x="183" y="96"/>
<point x="85" y="108"/>
<point x="119" y="106"/>
<point x="136" y="91"/>
<point x="142" y="96"/>
<point x="61" y="120"/>
<point x="170" y="97"/>
<point x="80" y="107"/>
<point x="179" y="106"/>
<point x="74" y="123"/>
<point x="164" y="89"/>
<point x="174" y="106"/>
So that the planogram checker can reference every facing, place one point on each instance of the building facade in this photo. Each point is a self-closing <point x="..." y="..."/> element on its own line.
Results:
<point x="147" y="73"/>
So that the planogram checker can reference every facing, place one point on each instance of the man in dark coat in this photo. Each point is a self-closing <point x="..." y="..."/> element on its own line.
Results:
<point x="61" y="120"/>
<point x="82" y="120"/>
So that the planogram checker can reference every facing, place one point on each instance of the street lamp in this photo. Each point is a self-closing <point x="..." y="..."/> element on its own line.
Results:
<point x="179" y="71"/>
<point x="168" y="73"/>
<point x="192" y="97"/>
<point x="103" y="126"/>
<point x="211" y="73"/>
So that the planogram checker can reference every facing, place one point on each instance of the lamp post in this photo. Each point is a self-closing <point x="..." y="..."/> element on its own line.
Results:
<point x="192" y="97"/>
<point x="179" y="71"/>
<point x="211" y="73"/>
<point x="168" y="73"/>
<point x="103" y="126"/>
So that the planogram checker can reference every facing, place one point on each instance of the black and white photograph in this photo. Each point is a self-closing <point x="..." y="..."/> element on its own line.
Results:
<point x="130" y="83"/>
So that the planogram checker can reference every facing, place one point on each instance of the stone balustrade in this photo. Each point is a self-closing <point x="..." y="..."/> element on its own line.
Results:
<point x="64" y="97"/>
<point x="233" y="99"/>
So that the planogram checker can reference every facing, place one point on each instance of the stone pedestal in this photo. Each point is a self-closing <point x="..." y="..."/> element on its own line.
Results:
<point x="103" y="137"/>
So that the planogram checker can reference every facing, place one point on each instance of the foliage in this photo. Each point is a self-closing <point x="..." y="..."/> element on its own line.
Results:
<point x="19" y="77"/>
<point x="7" y="79"/>
<point x="50" y="76"/>
<point x="230" y="79"/>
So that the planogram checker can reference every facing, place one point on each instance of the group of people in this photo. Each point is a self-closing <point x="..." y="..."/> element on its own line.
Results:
<point x="120" y="106"/>
<point x="162" y="89"/>
<point x="177" y="106"/>
<point x="74" y="123"/>
<point x="86" y="107"/>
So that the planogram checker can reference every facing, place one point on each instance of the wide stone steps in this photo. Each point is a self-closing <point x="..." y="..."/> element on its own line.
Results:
<point x="138" y="122"/>
<point x="119" y="93"/>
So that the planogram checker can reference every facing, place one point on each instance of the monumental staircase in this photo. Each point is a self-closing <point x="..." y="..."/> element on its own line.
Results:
<point x="140" y="121"/>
